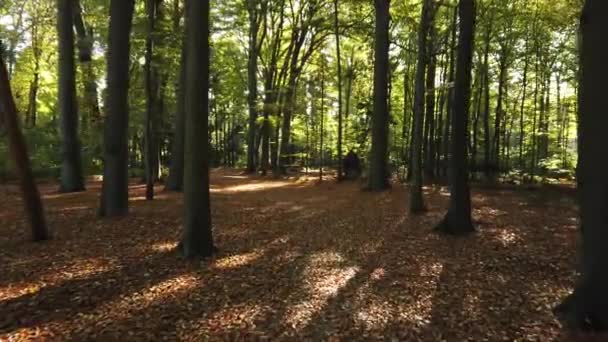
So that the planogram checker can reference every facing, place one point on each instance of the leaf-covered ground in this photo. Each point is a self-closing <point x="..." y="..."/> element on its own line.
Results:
<point x="297" y="260"/>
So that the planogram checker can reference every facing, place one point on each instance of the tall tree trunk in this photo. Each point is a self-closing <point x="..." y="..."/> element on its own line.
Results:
<point x="151" y="147"/>
<point x="458" y="218"/>
<point x="587" y="308"/>
<point x="486" y="118"/>
<point x="175" y="181"/>
<point x="115" y="188"/>
<point x="502" y="75"/>
<point x="522" y="109"/>
<point x="416" y="199"/>
<point x="339" y="71"/>
<point x="90" y="111"/>
<point x="71" y="166"/>
<point x="477" y="114"/>
<point x="197" y="240"/>
<point x="252" y="82"/>
<point x="32" y="107"/>
<point x="322" y="128"/>
<point x="18" y="150"/>
<point x="378" y="167"/>
<point x="429" y="148"/>
<point x="450" y="95"/>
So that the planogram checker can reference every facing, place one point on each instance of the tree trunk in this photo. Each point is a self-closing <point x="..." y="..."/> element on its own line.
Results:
<point x="522" y="108"/>
<point x="197" y="240"/>
<point x="487" y="164"/>
<point x="450" y="95"/>
<point x="378" y="167"/>
<point x="429" y="148"/>
<point x="252" y="82"/>
<point x="416" y="199"/>
<point x="175" y="181"/>
<point x="502" y="75"/>
<point x="71" y="167"/>
<point x="322" y="128"/>
<point x="587" y="308"/>
<point x="115" y="188"/>
<point x="339" y="71"/>
<point x="32" y="107"/>
<point x="90" y="111"/>
<point x="151" y="74"/>
<point x="18" y="150"/>
<point x="458" y="218"/>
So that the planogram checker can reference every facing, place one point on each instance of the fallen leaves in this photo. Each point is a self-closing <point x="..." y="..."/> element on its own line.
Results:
<point x="298" y="260"/>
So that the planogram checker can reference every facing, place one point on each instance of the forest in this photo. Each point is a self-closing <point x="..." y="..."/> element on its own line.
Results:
<point x="416" y="170"/>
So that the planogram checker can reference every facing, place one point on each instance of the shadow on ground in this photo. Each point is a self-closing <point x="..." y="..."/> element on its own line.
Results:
<point x="297" y="259"/>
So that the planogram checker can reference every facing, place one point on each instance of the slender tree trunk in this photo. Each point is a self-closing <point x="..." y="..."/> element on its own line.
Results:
<point x="18" y="150"/>
<point x="339" y="71"/>
<point x="450" y="95"/>
<point x="197" y="240"/>
<point x="175" y="181"/>
<point x="252" y="82"/>
<point x="322" y="128"/>
<point x="429" y="147"/>
<point x="90" y="113"/>
<point x="458" y="219"/>
<point x="522" y="109"/>
<point x="416" y="199"/>
<point x="71" y="166"/>
<point x="502" y="75"/>
<point x="151" y="85"/>
<point x="477" y="115"/>
<point x="115" y="188"/>
<point x="378" y="168"/>
<point x="486" y="119"/>
<point x="32" y="108"/>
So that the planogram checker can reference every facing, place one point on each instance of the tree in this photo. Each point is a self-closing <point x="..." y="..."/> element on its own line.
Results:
<point x="151" y="142"/>
<point x="71" y="167"/>
<point x="197" y="240"/>
<point x="175" y="181"/>
<point x="115" y="188"/>
<point x="416" y="199"/>
<point x="256" y="17"/>
<point x="18" y="148"/>
<point x="339" y="71"/>
<point x="458" y="219"/>
<point x="378" y="167"/>
<point x="90" y="108"/>
<point x="587" y="308"/>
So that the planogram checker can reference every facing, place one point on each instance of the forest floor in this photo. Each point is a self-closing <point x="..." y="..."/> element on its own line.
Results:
<point x="297" y="259"/>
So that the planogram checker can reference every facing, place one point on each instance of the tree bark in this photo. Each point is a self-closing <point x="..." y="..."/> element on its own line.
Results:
<point x="339" y="71"/>
<point x="252" y="81"/>
<point x="429" y="148"/>
<point x="487" y="164"/>
<point x="18" y="150"/>
<point x="587" y="308"/>
<point x="115" y="188"/>
<point x="175" y="181"/>
<point x="90" y="111"/>
<point x="71" y="166"/>
<point x="458" y="218"/>
<point x="151" y="143"/>
<point x="197" y="240"/>
<point x="416" y="199"/>
<point x="378" y="168"/>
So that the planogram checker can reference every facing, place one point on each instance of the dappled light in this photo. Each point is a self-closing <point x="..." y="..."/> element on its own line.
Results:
<point x="296" y="261"/>
<point x="308" y="170"/>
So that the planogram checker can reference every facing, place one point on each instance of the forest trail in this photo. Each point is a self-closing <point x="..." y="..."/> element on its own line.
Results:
<point x="297" y="258"/>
